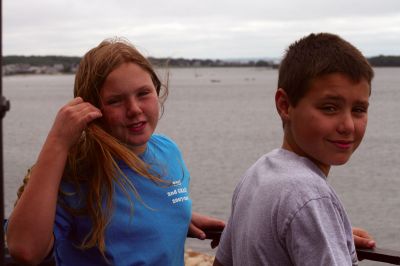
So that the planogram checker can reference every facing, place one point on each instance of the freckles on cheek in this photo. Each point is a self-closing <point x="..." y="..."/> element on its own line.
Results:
<point x="108" y="119"/>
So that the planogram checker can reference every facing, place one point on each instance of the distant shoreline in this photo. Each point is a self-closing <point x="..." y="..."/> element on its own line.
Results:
<point x="65" y="64"/>
<point x="14" y="65"/>
<point x="169" y="67"/>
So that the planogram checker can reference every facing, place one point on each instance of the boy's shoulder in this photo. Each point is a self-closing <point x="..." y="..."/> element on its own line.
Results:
<point x="284" y="165"/>
<point x="283" y="174"/>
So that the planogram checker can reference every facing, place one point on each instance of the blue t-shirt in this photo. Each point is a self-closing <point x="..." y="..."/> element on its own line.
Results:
<point x="152" y="231"/>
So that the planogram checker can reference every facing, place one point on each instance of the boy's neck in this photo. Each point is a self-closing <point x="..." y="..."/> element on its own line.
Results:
<point x="293" y="148"/>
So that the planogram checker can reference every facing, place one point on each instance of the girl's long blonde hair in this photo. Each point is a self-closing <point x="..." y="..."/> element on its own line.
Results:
<point x="93" y="160"/>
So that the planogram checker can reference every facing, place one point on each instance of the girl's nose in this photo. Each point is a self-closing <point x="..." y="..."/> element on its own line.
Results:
<point x="133" y="107"/>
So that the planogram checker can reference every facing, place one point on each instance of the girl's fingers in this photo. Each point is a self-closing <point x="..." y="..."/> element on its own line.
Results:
<point x="75" y="101"/>
<point x="196" y="232"/>
<point x="362" y="239"/>
<point x="80" y="112"/>
<point x="88" y="113"/>
<point x="72" y="119"/>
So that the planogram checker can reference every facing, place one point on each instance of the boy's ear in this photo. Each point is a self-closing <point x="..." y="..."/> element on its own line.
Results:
<point x="282" y="104"/>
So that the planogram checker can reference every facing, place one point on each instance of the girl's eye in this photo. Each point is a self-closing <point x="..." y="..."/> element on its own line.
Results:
<point x="113" y="101"/>
<point x="143" y="93"/>
<point x="328" y="108"/>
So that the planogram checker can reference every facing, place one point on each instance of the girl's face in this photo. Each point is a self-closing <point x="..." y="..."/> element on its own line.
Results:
<point x="130" y="107"/>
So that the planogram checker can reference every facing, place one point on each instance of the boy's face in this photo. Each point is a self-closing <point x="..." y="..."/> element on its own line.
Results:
<point x="329" y="122"/>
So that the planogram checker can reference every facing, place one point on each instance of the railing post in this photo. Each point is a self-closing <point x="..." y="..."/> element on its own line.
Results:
<point x="4" y="107"/>
<point x="2" y="247"/>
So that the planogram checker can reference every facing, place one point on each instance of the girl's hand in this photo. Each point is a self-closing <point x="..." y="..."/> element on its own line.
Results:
<point x="200" y="225"/>
<point x="362" y="239"/>
<point x="30" y="242"/>
<point x="71" y="120"/>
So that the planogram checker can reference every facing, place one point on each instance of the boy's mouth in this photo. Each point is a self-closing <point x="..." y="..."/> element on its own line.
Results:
<point x="342" y="144"/>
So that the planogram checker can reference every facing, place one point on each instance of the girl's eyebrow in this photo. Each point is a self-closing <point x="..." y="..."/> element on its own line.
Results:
<point x="114" y="94"/>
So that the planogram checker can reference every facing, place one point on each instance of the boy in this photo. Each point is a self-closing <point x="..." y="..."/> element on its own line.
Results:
<point x="283" y="210"/>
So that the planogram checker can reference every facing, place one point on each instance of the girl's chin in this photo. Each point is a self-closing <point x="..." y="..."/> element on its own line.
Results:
<point x="137" y="149"/>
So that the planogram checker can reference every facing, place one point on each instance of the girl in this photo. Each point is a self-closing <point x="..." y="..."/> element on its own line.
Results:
<point x="105" y="190"/>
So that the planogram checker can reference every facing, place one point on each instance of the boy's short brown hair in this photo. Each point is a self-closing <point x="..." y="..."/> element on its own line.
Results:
<point x="316" y="55"/>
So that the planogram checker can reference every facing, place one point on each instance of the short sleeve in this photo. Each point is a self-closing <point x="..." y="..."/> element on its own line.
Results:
<point x="224" y="252"/>
<point x="62" y="223"/>
<point x="316" y="236"/>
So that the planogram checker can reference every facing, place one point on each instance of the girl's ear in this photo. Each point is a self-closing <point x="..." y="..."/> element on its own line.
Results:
<point x="282" y="104"/>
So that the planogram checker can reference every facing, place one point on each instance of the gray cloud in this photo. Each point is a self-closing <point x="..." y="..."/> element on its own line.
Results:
<point x="203" y="29"/>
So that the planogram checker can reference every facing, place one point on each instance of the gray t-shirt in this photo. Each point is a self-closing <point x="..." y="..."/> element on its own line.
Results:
<point x="285" y="213"/>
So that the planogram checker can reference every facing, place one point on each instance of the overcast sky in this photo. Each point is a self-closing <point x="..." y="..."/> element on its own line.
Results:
<point x="196" y="29"/>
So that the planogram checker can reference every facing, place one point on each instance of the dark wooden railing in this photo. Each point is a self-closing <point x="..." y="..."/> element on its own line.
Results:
<point x="379" y="254"/>
<point x="376" y="254"/>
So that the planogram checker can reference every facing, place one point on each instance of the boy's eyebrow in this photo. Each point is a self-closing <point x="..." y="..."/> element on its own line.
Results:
<point x="341" y="99"/>
<point x="332" y="97"/>
<point x="366" y="103"/>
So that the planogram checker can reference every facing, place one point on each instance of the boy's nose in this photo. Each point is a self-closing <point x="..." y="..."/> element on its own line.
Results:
<point x="346" y="124"/>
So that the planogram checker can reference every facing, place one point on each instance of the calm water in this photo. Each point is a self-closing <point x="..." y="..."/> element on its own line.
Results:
<point x="223" y="119"/>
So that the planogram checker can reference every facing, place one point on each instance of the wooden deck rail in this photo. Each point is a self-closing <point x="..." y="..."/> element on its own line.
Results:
<point x="379" y="254"/>
<point x="376" y="254"/>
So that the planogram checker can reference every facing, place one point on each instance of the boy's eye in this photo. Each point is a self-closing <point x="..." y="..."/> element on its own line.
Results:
<point x="360" y="109"/>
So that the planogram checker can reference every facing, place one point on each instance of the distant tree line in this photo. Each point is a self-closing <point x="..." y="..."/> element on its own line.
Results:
<point x="183" y="62"/>
<point x="69" y="61"/>
<point x="40" y="60"/>
<point x="161" y="62"/>
<point x="385" y="61"/>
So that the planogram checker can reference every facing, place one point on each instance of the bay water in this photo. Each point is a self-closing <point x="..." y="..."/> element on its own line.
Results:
<point x="223" y="120"/>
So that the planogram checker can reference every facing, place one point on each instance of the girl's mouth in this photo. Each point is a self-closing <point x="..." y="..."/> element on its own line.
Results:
<point x="137" y="127"/>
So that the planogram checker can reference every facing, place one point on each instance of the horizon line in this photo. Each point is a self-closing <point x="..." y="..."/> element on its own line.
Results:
<point x="193" y="58"/>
